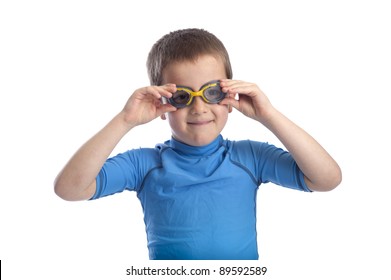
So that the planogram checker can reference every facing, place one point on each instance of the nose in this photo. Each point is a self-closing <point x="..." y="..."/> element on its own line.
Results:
<point x="198" y="106"/>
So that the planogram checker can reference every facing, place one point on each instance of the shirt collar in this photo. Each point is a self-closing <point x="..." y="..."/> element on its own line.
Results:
<point x="186" y="149"/>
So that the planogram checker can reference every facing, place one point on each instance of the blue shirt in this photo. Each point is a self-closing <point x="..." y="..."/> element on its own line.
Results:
<point x="200" y="202"/>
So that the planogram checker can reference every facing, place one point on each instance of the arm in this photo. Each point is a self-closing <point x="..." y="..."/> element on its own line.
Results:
<point x="76" y="181"/>
<point x="321" y="171"/>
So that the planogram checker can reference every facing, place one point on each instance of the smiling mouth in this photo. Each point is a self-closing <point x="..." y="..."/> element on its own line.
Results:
<point x="199" y="122"/>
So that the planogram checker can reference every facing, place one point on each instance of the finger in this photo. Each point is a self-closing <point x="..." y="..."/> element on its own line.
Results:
<point x="151" y="91"/>
<point x="159" y="91"/>
<point x="228" y="82"/>
<point x="167" y="90"/>
<point x="243" y="89"/>
<point x="169" y="87"/>
<point x="231" y="85"/>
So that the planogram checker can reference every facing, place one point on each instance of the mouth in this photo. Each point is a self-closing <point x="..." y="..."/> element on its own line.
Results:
<point x="199" y="123"/>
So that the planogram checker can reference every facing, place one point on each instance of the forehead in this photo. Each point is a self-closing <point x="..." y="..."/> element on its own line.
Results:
<point x="195" y="73"/>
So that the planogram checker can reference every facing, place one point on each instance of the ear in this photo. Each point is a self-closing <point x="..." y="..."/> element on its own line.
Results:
<point x="163" y="117"/>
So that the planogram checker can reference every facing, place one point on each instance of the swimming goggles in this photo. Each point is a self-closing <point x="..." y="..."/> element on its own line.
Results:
<point x="184" y="96"/>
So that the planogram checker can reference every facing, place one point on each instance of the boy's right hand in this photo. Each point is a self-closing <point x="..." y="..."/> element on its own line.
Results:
<point x="77" y="179"/>
<point x="145" y="104"/>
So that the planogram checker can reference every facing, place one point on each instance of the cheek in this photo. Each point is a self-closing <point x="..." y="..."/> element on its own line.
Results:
<point x="222" y="114"/>
<point x="224" y="121"/>
<point x="174" y="118"/>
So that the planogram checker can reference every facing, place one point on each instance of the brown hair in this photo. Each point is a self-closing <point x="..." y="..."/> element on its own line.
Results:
<point x="182" y="45"/>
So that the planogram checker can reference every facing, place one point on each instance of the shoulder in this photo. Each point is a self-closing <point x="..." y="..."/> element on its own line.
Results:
<point x="249" y="147"/>
<point x="254" y="154"/>
<point x="138" y="158"/>
<point x="139" y="154"/>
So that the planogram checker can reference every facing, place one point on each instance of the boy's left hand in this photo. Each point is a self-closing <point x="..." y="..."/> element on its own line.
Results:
<point x="251" y="101"/>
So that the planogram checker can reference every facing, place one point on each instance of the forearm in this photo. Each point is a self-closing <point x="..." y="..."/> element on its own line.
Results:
<point x="321" y="171"/>
<point x="77" y="179"/>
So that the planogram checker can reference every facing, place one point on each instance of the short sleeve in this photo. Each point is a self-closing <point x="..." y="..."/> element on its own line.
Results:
<point x="125" y="171"/>
<point x="269" y="163"/>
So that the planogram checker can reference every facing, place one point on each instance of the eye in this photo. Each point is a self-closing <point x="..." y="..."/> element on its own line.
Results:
<point x="214" y="95"/>
<point x="180" y="97"/>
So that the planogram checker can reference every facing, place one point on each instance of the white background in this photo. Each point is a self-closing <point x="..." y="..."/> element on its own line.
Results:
<point x="67" y="67"/>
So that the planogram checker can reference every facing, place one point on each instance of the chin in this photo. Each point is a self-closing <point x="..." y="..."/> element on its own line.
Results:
<point x="202" y="141"/>
<point x="196" y="139"/>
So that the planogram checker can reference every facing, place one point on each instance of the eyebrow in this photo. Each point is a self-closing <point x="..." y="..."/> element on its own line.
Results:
<point x="208" y="83"/>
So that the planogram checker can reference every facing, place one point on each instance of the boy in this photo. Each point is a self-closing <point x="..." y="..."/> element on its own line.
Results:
<point x="197" y="190"/>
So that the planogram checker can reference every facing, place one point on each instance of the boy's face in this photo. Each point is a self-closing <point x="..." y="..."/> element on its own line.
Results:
<point x="200" y="123"/>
